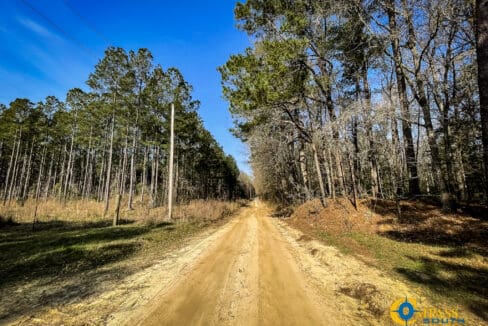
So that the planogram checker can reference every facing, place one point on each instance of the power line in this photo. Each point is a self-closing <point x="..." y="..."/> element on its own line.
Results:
<point x="87" y="22"/>
<point x="60" y="29"/>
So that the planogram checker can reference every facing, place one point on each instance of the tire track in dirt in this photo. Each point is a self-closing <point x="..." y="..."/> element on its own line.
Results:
<point x="141" y="289"/>
<point x="203" y="296"/>
<point x="284" y="298"/>
<point x="256" y="274"/>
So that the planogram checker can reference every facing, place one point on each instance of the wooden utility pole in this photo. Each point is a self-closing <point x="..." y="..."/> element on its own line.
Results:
<point x="170" y="174"/>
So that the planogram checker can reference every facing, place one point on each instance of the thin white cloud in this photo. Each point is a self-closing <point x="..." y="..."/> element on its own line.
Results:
<point x="37" y="28"/>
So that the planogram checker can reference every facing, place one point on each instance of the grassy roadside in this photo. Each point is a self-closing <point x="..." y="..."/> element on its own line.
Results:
<point x="66" y="261"/>
<point x="446" y="275"/>
<point x="442" y="257"/>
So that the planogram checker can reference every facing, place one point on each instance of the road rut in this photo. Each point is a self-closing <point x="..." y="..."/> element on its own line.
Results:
<point x="251" y="275"/>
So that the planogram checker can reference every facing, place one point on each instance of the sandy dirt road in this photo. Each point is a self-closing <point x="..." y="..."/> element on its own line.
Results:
<point x="257" y="273"/>
<point x="252" y="270"/>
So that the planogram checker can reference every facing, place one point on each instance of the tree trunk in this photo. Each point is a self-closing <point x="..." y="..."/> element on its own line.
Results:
<point x="48" y="180"/>
<point x="109" y="166"/>
<point x="353" y="183"/>
<point x="319" y="176"/>
<point x="330" y="173"/>
<point x="25" y="190"/>
<point x="38" y="187"/>
<point x="413" y="179"/>
<point x="340" y="171"/>
<point x="132" y="158"/>
<point x="14" y="173"/>
<point x="101" y="178"/>
<point x="91" y="172"/>
<point x="303" y="169"/>
<point x="53" y="193"/>
<point x="61" y="175"/>
<point x="87" y="167"/>
<point x="123" y="176"/>
<point x="132" y="170"/>
<point x="115" y="221"/>
<point x="481" y="31"/>
<point x="144" y="175"/>
<point x="19" y="186"/>
<point x="370" y="134"/>
<point x="156" y="178"/>
<point x="153" y="173"/>
<point x="9" y="169"/>
<point x="68" y="169"/>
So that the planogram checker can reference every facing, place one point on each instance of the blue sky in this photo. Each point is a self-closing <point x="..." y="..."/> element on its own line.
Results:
<point x="49" y="53"/>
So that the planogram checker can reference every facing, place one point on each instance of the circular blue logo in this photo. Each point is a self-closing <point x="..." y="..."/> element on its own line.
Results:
<point x="402" y="311"/>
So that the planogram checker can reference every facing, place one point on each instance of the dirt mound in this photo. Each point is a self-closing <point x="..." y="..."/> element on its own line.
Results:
<point x="338" y="217"/>
<point x="368" y="295"/>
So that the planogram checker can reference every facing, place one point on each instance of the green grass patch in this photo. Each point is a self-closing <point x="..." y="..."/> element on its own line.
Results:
<point x="453" y="275"/>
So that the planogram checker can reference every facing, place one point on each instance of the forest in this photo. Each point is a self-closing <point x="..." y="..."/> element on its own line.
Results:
<point x="381" y="99"/>
<point x="113" y="141"/>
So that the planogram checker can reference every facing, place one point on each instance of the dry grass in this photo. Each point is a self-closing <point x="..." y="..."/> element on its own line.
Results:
<point x="206" y="210"/>
<point x="53" y="210"/>
<point x="91" y="211"/>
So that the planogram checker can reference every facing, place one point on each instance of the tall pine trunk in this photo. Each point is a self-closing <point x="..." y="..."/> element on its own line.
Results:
<point x="10" y="168"/>
<point x="370" y="134"/>
<point x="25" y="190"/>
<point x="14" y="172"/>
<point x="144" y="175"/>
<point x="132" y="160"/>
<point x="48" y="180"/>
<point x="38" y="187"/>
<point x="303" y="169"/>
<point x="411" y="161"/>
<point x="481" y="31"/>
<point x="87" y="167"/>
<point x="109" y="165"/>
<point x="68" y="169"/>
<point x="323" y="199"/>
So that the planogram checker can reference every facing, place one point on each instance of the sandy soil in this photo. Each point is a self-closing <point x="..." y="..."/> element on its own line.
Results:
<point x="254" y="270"/>
<point x="258" y="271"/>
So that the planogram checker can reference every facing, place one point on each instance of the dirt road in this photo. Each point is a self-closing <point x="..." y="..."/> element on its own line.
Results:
<point x="255" y="272"/>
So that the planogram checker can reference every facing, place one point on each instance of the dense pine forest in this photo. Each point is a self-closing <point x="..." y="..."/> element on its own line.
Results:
<point x="113" y="141"/>
<point x="363" y="99"/>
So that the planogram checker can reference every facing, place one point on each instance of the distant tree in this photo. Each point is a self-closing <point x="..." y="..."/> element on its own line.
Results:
<point x="111" y="79"/>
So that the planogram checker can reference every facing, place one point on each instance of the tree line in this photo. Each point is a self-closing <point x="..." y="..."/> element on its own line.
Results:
<point x="363" y="98"/>
<point x="113" y="140"/>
